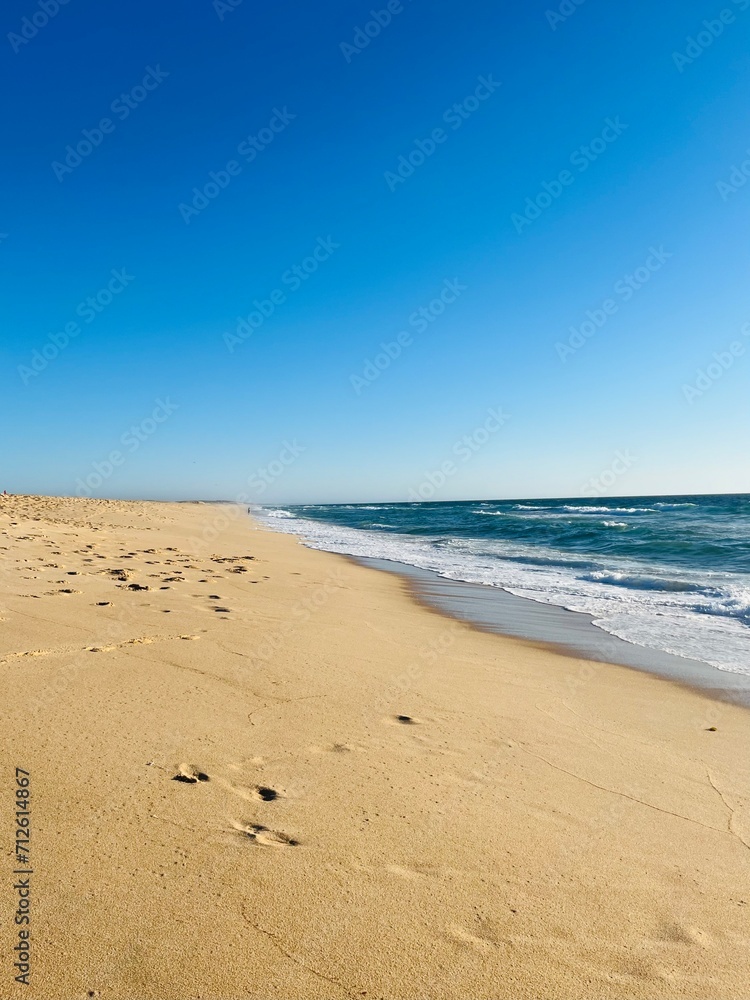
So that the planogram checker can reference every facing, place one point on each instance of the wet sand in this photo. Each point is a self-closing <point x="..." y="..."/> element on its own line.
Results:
<point x="570" y="633"/>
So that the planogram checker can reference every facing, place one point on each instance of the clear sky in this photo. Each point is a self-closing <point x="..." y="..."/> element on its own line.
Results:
<point x="514" y="171"/>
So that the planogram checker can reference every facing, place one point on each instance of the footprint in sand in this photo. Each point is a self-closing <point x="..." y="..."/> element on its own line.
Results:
<point x="254" y="793"/>
<point x="678" y="933"/>
<point x="118" y="574"/>
<point x="485" y="941"/>
<point x="267" y="794"/>
<point x="190" y="774"/>
<point x="335" y="748"/>
<point x="402" y="720"/>
<point x="264" y="837"/>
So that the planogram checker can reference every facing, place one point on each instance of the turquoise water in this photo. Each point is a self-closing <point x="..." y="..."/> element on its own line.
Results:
<point x="669" y="573"/>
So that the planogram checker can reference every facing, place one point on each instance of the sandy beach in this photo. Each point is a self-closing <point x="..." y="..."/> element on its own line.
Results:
<point x="257" y="771"/>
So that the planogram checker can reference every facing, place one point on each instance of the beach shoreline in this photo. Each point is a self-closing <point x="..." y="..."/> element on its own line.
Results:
<point x="260" y="769"/>
<point x="660" y="576"/>
<point x="557" y="630"/>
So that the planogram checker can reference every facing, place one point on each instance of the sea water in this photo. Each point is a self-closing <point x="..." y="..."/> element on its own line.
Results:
<point x="670" y="573"/>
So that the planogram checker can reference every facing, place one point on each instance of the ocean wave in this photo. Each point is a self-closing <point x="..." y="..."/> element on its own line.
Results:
<point x="607" y="510"/>
<point x="729" y="605"/>
<point x="701" y="612"/>
<point x="637" y="582"/>
<point x="674" y="506"/>
<point x="584" y="509"/>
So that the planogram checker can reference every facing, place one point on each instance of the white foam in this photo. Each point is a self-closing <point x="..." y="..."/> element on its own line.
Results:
<point x="674" y="506"/>
<point x="607" y="510"/>
<point x="698" y="615"/>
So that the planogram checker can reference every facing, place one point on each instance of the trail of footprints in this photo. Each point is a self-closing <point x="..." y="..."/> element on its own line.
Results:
<point x="179" y="565"/>
<point x="164" y="569"/>
<point x="133" y="572"/>
<point x="176" y="568"/>
<point x="256" y="833"/>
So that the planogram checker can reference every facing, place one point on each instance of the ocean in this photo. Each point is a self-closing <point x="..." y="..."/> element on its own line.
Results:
<point x="670" y="573"/>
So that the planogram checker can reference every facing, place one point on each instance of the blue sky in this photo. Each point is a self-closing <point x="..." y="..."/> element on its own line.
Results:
<point x="544" y="157"/>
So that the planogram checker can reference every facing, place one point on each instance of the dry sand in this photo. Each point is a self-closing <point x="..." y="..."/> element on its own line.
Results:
<point x="533" y="826"/>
